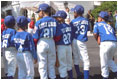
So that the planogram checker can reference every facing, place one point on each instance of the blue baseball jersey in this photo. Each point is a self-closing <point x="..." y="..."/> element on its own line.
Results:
<point x="105" y="31"/>
<point x="7" y="37"/>
<point x="80" y="26"/>
<point x="66" y="32"/>
<point x="24" y="42"/>
<point x="45" y="28"/>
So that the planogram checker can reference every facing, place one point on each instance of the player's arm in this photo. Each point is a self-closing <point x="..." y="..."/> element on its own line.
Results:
<point x="72" y="31"/>
<point x="96" y="34"/>
<point x="32" y="48"/>
<point x="36" y="34"/>
<point x="58" y="35"/>
<point x="97" y="38"/>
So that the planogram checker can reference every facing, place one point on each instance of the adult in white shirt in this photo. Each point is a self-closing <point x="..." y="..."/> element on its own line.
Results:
<point x="67" y="20"/>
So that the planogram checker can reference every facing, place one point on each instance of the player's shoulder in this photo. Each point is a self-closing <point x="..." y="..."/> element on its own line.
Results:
<point x="24" y="33"/>
<point x="66" y="25"/>
<point x="9" y="30"/>
<point x="47" y="18"/>
<point x="100" y="23"/>
<point x="83" y="18"/>
<point x="78" y="19"/>
<point x="74" y="20"/>
<point x="38" y="22"/>
<point x="27" y="33"/>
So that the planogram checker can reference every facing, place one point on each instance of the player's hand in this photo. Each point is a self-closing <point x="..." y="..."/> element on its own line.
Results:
<point x="35" y="61"/>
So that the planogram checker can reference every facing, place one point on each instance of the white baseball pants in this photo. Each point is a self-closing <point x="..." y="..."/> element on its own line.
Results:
<point x="80" y="52"/>
<point x="9" y="60"/>
<point x="65" y="59"/>
<point x="107" y="51"/>
<point x="25" y="65"/>
<point x="46" y="58"/>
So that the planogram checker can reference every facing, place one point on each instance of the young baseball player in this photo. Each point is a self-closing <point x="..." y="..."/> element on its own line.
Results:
<point x="107" y="44"/>
<point x="44" y="32"/>
<point x="26" y="49"/>
<point x="80" y="26"/>
<point x="9" y="49"/>
<point x="64" y="50"/>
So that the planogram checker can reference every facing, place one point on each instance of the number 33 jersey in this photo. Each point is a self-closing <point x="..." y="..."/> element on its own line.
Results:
<point x="66" y="32"/>
<point x="45" y="28"/>
<point x="80" y="26"/>
<point x="7" y="37"/>
<point x="105" y="31"/>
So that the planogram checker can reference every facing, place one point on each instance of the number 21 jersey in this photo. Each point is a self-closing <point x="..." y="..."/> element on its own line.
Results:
<point x="45" y="28"/>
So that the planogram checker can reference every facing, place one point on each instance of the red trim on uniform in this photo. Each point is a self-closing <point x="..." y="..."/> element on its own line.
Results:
<point x="57" y="38"/>
<point x="35" y="41"/>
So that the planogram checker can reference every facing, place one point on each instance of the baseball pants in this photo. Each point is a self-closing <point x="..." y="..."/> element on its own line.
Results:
<point x="25" y="65"/>
<point x="46" y="58"/>
<point x="65" y="59"/>
<point x="9" y="59"/>
<point x="107" y="51"/>
<point x="80" y="52"/>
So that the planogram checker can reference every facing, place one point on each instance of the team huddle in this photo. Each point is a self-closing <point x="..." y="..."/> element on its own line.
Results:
<point x="53" y="41"/>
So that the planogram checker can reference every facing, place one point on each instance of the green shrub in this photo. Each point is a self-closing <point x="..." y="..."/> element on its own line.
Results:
<point x="105" y="6"/>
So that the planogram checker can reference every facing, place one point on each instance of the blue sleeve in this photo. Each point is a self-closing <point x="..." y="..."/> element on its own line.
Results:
<point x="72" y="31"/>
<point x="95" y="30"/>
<point x="32" y="47"/>
<point x="36" y="31"/>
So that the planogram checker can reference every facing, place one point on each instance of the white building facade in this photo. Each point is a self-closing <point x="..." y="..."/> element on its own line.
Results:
<point x="27" y="8"/>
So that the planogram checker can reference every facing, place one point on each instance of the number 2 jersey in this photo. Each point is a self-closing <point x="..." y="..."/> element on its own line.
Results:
<point x="45" y="28"/>
<point x="65" y="31"/>
<point x="24" y="42"/>
<point x="80" y="26"/>
<point x="7" y="37"/>
<point x="105" y="31"/>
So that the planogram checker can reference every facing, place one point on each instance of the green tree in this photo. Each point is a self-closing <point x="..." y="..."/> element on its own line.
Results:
<point x="105" y="6"/>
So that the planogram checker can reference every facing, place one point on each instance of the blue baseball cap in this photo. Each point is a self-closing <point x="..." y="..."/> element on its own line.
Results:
<point x="22" y="21"/>
<point x="61" y="14"/>
<point x="104" y="14"/>
<point x="78" y="9"/>
<point x="9" y="21"/>
<point x="44" y="7"/>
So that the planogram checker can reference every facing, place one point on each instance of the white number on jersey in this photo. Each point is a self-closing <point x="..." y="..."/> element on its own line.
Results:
<point x="4" y="44"/>
<point x="66" y="38"/>
<point x="47" y="32"/>
<point x="108" y="29"/>
<point x="80" y="29"/>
